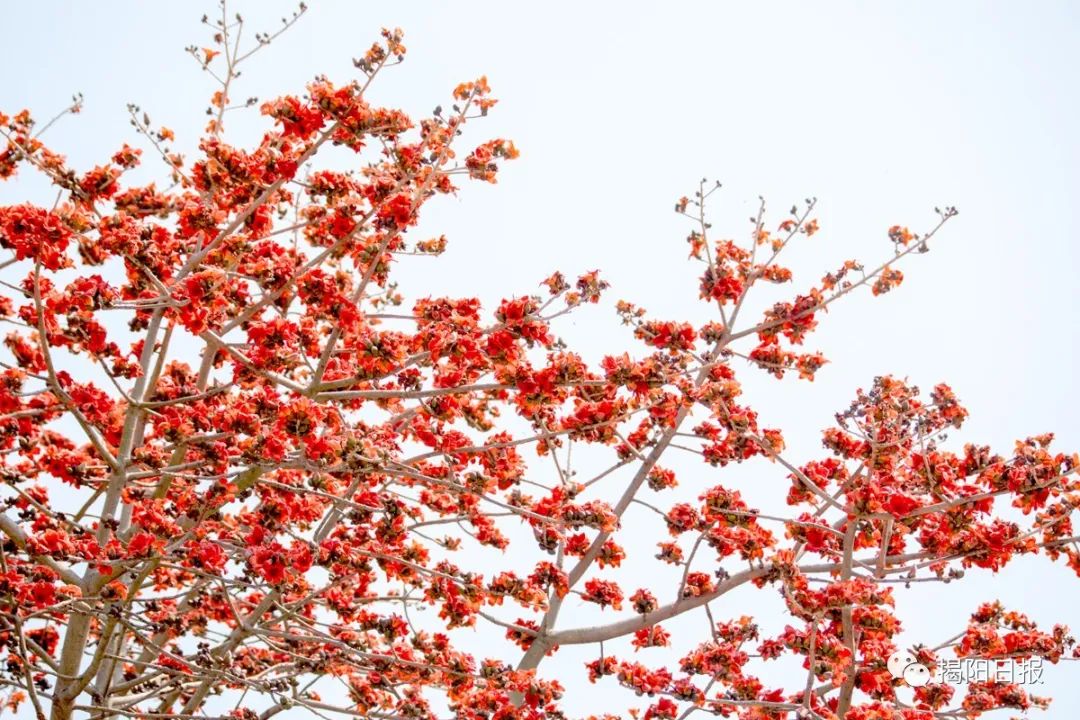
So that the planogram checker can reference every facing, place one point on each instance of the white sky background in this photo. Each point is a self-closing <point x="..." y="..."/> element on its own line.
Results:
<point x="880" y="111"/>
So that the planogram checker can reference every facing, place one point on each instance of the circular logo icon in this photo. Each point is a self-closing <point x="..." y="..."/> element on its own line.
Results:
<point x="903" y="665"/>
<point x="916" y="675"/>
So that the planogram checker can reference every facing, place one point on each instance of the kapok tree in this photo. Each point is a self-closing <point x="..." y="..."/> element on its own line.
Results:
<point x="238" y="465"/>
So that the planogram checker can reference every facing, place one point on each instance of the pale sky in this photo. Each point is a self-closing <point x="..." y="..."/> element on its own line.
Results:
<point x="880" y="110"/>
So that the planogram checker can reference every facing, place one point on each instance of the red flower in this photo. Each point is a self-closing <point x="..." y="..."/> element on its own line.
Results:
<point x="603" y="593"/>
<point x="35" y="233"/>
<point x="271" y="563"/>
